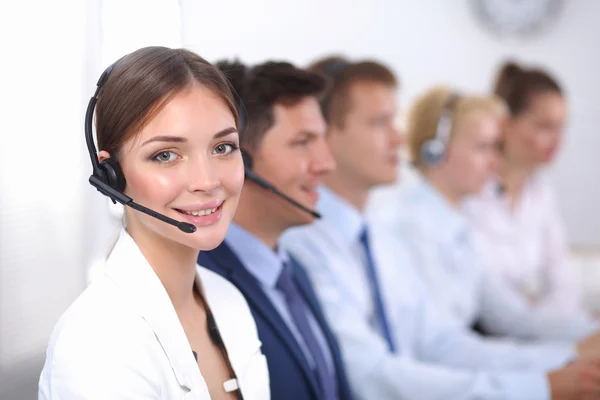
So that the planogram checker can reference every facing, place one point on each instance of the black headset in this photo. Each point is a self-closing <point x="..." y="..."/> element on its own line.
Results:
<point x="253" y="176"/>
<point x="433" y="150"/>
<point x="107" y="176"/>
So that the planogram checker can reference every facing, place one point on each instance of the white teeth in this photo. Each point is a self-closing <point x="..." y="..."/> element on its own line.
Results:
<point x="201" y="212"/>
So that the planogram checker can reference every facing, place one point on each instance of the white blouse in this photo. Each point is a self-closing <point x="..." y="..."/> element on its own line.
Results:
<point x="526" y="246"/>
<point x="122" y="339"/>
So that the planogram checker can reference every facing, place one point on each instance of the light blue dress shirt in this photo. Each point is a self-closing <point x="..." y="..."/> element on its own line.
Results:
<point x="455" y="273"/>
<point x="266" y="266"/>
<point x="437" y="358"/>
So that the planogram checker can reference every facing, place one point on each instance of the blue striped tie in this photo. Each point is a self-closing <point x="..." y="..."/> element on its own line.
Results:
<point x="376" y="291"/>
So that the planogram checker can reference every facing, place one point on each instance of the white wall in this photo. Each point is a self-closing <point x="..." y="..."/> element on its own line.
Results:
<point x="426" y="42"/>
<point x="41" y="203"/>
<point x="53" y="224"/>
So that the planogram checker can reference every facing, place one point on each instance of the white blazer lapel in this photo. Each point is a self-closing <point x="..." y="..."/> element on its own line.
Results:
<point x="238" y="331"/>
<point x="151" y="299"/>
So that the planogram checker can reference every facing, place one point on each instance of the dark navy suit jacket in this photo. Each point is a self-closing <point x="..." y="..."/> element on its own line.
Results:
<point x="290" y="375"/>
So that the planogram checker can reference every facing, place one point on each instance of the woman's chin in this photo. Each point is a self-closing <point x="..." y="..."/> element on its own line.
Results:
<point x="207" y="238"/>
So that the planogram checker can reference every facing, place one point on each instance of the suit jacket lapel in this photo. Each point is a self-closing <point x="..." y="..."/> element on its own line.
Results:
<point x="237" y="274"/>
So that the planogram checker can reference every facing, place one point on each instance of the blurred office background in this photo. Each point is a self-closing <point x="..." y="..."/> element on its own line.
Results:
<point x="54" y="227"/>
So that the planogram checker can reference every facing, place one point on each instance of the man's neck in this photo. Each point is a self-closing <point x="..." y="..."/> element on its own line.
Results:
<point x="257" y="221"/>
<point x="348" y="189"/>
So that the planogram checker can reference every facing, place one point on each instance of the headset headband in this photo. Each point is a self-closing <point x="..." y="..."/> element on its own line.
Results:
<point x="89" y="117"/>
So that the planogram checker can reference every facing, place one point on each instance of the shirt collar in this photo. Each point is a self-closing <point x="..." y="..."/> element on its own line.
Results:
<point x="340" y="214"/>
<point x="444" y="219"/>
<point x="492" y="190"/>
<point x="263" y="263"/>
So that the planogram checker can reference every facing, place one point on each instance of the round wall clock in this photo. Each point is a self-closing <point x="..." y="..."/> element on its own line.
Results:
<point x="517" y="18"/>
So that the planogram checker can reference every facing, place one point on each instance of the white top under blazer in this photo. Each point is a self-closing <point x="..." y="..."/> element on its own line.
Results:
<point x="122" y="339"/>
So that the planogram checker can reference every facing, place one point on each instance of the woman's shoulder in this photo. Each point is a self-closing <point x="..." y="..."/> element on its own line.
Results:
<point x="99" y="337"/>
<point x="101" y="312"/>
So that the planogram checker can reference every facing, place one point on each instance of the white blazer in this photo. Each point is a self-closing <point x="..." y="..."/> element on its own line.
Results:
<point x="122" y="339"/>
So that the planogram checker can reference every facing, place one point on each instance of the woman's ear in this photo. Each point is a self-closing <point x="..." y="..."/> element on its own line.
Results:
<point x="103" y="155"/>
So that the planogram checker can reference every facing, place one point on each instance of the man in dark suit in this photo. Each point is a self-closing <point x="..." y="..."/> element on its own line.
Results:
<point x="282" y="135"/>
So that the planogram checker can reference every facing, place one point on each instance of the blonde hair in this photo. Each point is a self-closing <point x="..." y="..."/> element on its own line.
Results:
<point x="423" y="116"/>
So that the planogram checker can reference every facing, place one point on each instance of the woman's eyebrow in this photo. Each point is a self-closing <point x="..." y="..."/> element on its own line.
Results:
<point x="179" y="139"/>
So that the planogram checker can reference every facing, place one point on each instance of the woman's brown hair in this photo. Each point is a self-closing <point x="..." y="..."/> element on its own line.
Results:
<point x="517" y="85"/>
<point x="142" y="83"/>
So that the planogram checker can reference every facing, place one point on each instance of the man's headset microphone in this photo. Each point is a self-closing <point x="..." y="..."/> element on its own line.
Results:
<point x="254" y="177"/>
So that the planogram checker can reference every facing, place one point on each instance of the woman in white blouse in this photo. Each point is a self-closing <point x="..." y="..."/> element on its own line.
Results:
<point x="517" y="217"/>
<point x="154" y="325"/>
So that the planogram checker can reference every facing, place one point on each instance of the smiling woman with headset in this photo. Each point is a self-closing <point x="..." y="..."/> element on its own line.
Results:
<point x="154" y="325"/>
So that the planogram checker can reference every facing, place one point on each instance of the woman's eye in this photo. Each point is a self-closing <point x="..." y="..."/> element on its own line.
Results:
<point x="165" y="156"/>
<point x="224" y="148"/>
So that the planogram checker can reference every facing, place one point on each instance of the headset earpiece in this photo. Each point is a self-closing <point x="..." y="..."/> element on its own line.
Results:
<point x="433" y="150"/>
<point x="113" y="175"/>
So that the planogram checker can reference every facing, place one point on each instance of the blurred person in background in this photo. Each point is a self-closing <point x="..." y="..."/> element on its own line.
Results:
<point x="152" y="325"/>
<point x="453" y="139"/>
<point x="517" y="218"/>
<point x="396" y="342"/>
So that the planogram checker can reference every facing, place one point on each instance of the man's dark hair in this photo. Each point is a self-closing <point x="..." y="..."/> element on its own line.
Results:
<point x="260" y="88"/>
